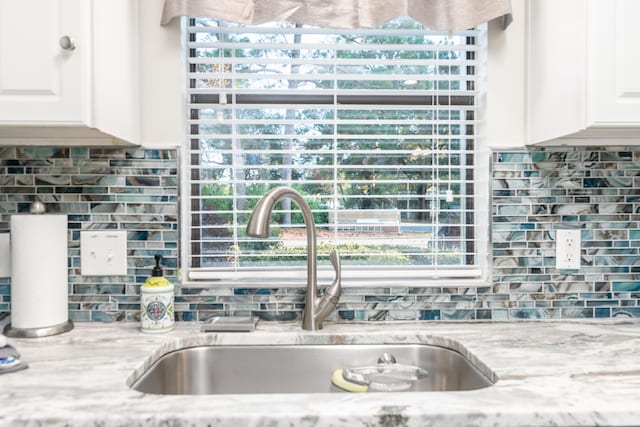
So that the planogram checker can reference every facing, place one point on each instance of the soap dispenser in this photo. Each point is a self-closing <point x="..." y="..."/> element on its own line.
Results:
<point x="156" y="302"/>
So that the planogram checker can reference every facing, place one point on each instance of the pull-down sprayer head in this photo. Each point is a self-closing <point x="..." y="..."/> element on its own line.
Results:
<point x="258" y="225"/>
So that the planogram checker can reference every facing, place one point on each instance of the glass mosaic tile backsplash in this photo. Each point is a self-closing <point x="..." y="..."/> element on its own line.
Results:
<point x="98" y="188"/>
<point x="535" y="192"/>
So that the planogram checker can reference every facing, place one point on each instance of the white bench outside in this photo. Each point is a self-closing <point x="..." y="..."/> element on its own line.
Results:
<point x="366" y="220"/>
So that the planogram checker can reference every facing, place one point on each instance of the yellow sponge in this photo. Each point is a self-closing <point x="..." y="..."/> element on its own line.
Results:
<point x="337" y="379"/>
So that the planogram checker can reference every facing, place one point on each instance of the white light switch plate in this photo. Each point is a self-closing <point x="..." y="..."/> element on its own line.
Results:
<point x="103" y="253"/>
<point x="5" y="255"/>
<point x="568" y="249"/>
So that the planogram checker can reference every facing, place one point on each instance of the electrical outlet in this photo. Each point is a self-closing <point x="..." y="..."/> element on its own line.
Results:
<point x="103" y="253"/>
<point x="568" y="249"/>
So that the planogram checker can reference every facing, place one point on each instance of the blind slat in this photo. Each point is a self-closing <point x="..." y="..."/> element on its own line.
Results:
<point x="335" y="63"/>
<point x="227" y="28"/>
<point x="334" y="47"/>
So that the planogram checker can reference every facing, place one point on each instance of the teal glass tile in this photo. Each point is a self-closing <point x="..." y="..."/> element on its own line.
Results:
<point x="514" y="210"/>
<point x="457" y="314"/>
<point x="632" y="286"/>
<point x="483" y="314"/>
<point x="524" y="314"/>
<point x="616" y="156"/>
<point x="514" y="157"/>
<point x="573" y="313"/>
<point x="146" y="181"/>
<point x="79" y="316"/>
<point x="627" y="312"/>
<point x="112" y="316"/>
<point x="603" y="303"/>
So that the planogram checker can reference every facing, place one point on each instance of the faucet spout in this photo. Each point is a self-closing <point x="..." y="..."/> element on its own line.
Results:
<point x="316" y="308"/>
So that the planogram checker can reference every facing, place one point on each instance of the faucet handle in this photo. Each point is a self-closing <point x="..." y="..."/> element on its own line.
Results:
<point x="334" y="289"/>
<point x="334" y="257"/>
<point x="331" y="296"/>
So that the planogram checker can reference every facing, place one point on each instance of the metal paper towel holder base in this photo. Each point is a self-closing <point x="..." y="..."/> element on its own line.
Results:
<point x="38" y="332"/>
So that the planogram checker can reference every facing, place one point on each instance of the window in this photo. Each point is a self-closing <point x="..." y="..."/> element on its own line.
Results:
<point x="376" y="128"/>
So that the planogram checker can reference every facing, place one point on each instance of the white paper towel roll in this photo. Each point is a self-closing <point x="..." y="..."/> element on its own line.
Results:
<point x="39" y="275"/>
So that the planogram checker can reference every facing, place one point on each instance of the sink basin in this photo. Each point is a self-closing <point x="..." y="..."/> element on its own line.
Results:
<point x="237" y="369"/>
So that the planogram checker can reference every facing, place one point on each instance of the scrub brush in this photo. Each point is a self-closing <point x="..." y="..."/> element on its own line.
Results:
<point x="338" y="380"/>
<point x="382" y="377"/>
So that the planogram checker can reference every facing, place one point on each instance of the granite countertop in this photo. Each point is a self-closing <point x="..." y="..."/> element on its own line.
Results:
<point x="550" y="373"/>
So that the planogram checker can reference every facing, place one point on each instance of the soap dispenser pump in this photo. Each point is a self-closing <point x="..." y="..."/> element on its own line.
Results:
<point x="156" y="302"/>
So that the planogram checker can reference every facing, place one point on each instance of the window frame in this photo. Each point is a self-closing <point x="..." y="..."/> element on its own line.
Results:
<point x="373" y="276"/>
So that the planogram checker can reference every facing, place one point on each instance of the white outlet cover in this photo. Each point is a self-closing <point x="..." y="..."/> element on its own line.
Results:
<point x="103" y="253"/>
<point x="5" y="255"/>
<point x="568" y="248"/>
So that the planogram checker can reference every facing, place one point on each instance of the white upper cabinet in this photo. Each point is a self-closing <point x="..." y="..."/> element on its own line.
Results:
<point x="583" y="79"/>
<point x="68" y="71"/>
<point x="616" y="64"/>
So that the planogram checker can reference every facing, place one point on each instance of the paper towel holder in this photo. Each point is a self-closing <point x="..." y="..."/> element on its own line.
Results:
<point x="12" y="332"/>
<point x="48" y="314"/>
<point x="37" y="207"/>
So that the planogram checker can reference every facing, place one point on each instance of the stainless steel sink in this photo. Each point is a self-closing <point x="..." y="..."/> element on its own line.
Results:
<point x="300" y="368"/>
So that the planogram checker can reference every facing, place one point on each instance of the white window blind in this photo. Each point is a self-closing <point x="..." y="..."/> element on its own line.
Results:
<point x="376" y="128"/>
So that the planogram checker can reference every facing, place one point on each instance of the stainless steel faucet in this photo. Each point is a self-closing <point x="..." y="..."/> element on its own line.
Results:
<point x="316" y="308"/>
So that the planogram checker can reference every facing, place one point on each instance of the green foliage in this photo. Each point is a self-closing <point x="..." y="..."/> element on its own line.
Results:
<point x="351" y="253"/>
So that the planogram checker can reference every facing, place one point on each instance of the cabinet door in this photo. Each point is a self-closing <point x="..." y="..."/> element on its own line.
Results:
<point x="39" y="80"/>
<point x="615" y="80"/>
<point x="556" y="76"/>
